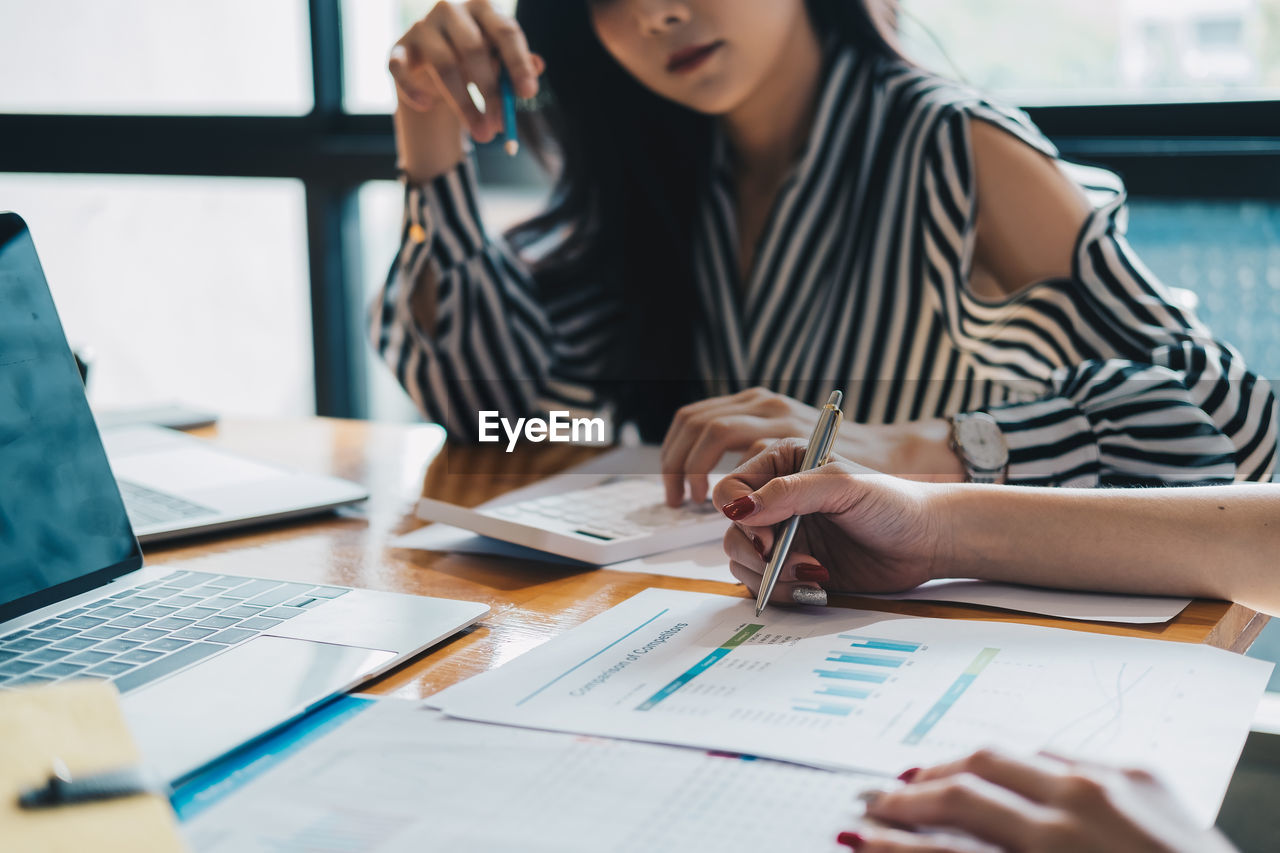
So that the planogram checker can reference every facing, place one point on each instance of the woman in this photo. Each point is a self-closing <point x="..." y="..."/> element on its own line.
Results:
<point x="866" y="532"/>
<point x="758" y="201"/>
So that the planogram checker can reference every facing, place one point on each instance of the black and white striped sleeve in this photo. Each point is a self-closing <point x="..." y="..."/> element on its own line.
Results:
<point x="1110" y="382"/>
<point x="496" y="343"/>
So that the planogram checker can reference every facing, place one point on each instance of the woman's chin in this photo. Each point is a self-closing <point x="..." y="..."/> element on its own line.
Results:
<point x="713" y="96"/>
<point x="709" y="104"/>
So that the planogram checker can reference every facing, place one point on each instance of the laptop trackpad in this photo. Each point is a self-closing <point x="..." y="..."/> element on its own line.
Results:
<point x="189" y="719"/>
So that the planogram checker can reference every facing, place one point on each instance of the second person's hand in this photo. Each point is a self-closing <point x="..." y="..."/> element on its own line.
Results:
<point x="860" y="531"/>
<point x="1042" y="804"/>
<point x="703" y="432"/>
<point x="457" y="44"/>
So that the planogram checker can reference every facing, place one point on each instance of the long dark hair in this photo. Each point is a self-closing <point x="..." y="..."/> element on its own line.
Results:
<point x="629" y="169"/>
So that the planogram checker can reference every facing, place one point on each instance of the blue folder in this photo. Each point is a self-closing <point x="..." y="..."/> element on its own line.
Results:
<point x="237" y="768"/>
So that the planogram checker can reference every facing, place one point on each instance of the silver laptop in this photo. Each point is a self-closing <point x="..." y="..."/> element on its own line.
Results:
<point x="175" y="485"/>
<point x="205" y="662"/>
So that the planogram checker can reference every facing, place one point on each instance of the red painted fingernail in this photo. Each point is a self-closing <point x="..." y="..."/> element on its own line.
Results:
<point x="759" y="546"/>
<point x="812" y="572"/>
<point x="740" y="508"/>
<point x="908" y="774"/>
<point x="851" y="839"/>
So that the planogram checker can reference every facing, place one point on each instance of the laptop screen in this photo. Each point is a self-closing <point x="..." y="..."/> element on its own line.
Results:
<point x="63" y="527"/>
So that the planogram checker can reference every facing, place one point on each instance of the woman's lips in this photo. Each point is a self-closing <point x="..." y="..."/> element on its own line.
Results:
<point x="690" y="58"/>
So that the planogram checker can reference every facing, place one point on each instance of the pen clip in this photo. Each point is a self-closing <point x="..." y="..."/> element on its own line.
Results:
<point x="835" y="430"/>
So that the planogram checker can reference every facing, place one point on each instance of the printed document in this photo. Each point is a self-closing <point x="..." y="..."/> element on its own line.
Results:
<point x="400" y="779"/>
<point x="877" y="692"/>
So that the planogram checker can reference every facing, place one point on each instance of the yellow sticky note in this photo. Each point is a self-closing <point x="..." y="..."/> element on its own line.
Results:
<point x="79" y="722"/>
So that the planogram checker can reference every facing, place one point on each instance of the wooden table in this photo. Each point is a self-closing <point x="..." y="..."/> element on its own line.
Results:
<point x="531" y="602"/>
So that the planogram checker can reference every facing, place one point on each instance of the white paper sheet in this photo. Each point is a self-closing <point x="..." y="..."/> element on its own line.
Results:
<point x="877" y="692"/>
<point x="400" y="779"/>
<point x="705" y="562"/>
<point x="1065" y="604"/>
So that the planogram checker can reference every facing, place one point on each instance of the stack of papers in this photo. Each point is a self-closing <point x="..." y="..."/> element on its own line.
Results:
<point x="398" y="778"/>
<point x="846" y="699"/>
<point x="876" y="692"/>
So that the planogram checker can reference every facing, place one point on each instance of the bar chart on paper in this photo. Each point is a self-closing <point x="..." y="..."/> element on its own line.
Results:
<point x="851" y="674"/>
<point x="867" y="691"/>
<point x="848" y="673"/>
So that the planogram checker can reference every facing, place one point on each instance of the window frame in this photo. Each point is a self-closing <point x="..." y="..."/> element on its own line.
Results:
<point x="1194" y="150"/>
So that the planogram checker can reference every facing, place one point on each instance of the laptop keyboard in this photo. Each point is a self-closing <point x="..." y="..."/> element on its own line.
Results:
<point x="155" y="628"/>
<point x="146" y="507"/>
<point x="616" y="510"/>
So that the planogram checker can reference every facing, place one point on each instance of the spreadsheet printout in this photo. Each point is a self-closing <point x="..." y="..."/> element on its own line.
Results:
<point x="397" y="778"/>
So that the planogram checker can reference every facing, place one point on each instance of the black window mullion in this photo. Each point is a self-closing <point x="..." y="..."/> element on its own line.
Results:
<point x="332" y="238"/>
<point x="338" y="340"/>
<point x="326" y="57"/>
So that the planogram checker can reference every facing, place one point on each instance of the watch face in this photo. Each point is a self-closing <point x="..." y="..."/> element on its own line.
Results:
<point x="982" y="442"/>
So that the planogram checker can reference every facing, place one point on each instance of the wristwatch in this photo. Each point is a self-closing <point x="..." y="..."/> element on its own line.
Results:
<point x="977" y="440"/>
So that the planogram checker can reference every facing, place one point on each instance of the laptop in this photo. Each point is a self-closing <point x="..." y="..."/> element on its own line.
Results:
<point x="177" y="485"/>
<point x="205" y="662"/>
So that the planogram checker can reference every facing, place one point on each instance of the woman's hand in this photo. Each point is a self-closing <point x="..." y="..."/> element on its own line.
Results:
<point x="432" y="63"/>
<point x="703" y="432"/>
<point x="1044" y="804"/>
<point x="861" y="531"/>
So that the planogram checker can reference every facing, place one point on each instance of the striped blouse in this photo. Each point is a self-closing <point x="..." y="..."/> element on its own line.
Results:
<point x="860" y="282"/>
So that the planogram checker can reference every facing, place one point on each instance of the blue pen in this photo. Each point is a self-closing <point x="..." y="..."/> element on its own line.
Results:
<point x="512" y="145"/>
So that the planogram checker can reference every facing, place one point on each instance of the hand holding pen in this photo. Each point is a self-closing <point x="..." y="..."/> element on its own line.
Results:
<point x="856" y="531"/>
<point x="462" y="44"/>
<point x="815" y="456"/>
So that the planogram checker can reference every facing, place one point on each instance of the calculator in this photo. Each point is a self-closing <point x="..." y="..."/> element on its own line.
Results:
<point x="619" y="519"/>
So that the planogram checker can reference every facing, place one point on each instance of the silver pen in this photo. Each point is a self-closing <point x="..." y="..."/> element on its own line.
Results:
<point x="815" y="456"/>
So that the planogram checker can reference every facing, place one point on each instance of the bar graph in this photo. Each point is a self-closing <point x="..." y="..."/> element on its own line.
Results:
<point x="853" y="673"/>
<point x="858" y="641"/>
<point x="867" y="660"/>
<point x="837" y="682"/>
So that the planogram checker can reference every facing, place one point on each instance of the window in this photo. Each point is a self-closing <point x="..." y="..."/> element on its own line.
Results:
<point x="234" y="57"/>
<point x="1102" y="51"/>
<point x="1228" y="254"/>
<point x="185" y="289"/>
<point x="1225" y="35"/>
